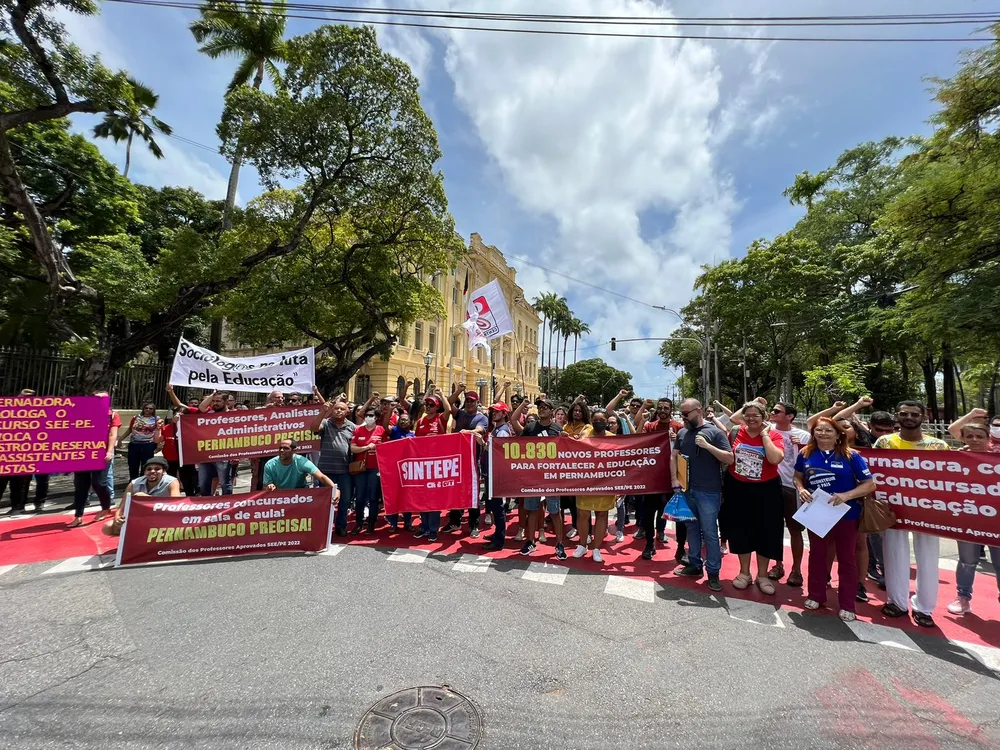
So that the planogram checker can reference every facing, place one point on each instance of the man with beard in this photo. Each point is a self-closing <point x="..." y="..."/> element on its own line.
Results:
<point x="335" y="431"/>
<point x="215" y="402"/>
<point x="700" y="451"/>
<point x="896" y="542"/>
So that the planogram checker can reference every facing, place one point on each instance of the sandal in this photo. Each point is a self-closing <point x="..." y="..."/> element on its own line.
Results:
<point x="742" y="581"/>
<point x="811" y="604"/>
<point x="765" y="585"/>
<point x="891" y="610"/>
<point x="794" y="579"/>
<point x="777" y="572"/>
<point x="76" y="522"/>
<point x="847" y="616"/>
<point x="924" y="621"/>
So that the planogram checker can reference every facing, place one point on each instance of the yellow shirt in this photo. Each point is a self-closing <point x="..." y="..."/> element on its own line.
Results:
<point x="581" y="430"/>
<point x="926" y="443"/>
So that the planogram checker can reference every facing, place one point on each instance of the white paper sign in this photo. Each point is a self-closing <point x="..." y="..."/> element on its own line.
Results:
<point x="488" y="316"/>
<point x="820" y="515"/>
<point x="289" y="372"/>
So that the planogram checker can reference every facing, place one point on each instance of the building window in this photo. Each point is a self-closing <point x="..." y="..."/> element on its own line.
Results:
<point x="416" y="388"/>
<point x="362" y="388"/>
<point x="400" y="385"/>
<point x="432" y="336"/>
<point x="418" y="335"/>
<point x="404" y="336"/>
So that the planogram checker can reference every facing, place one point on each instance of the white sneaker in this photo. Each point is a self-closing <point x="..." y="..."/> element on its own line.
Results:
<point x="620" y="536"/>
<point x="960" y="606"/>
<point x="520" y="535"/>
<point x="598" y="557"/>
<point x="847" y="616"/>
<point x="572" y="533"/>
<point x="590" y="538"/>
<point x="580" y="551"/>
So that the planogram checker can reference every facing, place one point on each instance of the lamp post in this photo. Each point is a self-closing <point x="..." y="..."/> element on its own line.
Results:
<point x="428" y="358"/>
<point x="482" y="387"/>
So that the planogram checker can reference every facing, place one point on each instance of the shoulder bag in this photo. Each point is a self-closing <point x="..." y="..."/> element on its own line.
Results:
<point x="876" y="516"/>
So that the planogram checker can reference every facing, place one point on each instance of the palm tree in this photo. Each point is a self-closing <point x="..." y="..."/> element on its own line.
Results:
<point x="253" y="32"/>
<point x="560" y="321"/>
<point x="579" y="329"/>
<point x="124" y="126"/>
<point x="544" y="304"/>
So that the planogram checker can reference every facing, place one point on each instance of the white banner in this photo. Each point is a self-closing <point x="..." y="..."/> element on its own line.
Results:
<point x="488" y="316"/>
<point x="289" y="372"/>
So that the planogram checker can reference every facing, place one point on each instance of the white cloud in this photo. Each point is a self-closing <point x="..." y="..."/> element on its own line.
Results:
<point x="599" y="134"/>
<point x="93" y="36"/>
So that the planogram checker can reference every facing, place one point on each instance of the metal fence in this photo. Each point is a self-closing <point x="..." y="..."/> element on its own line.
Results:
<point x="54" y="374"/>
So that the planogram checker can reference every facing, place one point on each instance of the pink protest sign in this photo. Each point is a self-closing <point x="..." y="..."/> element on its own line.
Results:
<point x="53" y="434"/>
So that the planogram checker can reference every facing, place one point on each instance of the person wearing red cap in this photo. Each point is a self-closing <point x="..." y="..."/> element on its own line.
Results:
<point x="499" y="428"/>
<point x="433" y="422"/>
<point x="470" y="421"/>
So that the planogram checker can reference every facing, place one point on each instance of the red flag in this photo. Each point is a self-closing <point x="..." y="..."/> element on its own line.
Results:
<point x="429" y="473"/>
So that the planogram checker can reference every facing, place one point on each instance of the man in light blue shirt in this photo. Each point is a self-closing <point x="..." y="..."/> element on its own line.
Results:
<point x="288" y="470"/>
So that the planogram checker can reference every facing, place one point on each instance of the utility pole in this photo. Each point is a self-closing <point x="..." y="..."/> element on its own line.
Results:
<point x="718" y="386"/>
<point x="743" y="365"/>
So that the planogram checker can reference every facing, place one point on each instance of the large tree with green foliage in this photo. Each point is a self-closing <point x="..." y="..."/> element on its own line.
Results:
<point x="347" y="120"/>
<point x="594" y="378"/>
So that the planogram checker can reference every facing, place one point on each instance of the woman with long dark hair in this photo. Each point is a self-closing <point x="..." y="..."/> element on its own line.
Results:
<point x="828" y="463"/>
<point x="141" y="446"/>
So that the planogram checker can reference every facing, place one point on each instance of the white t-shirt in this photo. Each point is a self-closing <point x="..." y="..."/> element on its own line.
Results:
<point x="786" y="469"/>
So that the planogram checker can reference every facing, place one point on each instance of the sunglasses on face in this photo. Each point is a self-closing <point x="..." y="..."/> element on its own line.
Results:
<point x="777" y="411"/>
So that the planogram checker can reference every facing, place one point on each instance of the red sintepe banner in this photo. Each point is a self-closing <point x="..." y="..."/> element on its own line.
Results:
<point x="429" y="473"/>
<point x="625" y="465"/>
<point x="207" y="437"/>
<point x="954" y="494"/>
<point x="159" y="529"/>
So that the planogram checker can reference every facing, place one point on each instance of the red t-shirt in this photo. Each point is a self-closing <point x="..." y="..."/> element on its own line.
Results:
<point x="363" y="436"/>
<point x="169" y="434"/>
<point x="751" y="463"/>
<point x="657" y="425"/>
<point x="431" y="425"/>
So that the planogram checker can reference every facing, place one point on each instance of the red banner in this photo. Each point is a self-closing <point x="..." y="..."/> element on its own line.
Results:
<point x="429" y="473"/>
<point x="954" y="494"/>
<point x="206" y="437"/>
<point x="159" y="529"/>
<point x="626" y="465"/>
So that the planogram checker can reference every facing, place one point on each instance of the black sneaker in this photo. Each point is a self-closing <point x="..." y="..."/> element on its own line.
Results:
<point x="862" y="595"/>
<point x="420" y="533"/>
<point x="713" y="582"/>
<point x="450" y="528"/>
<point x="647" y="554"/>
<point x="340" y="531"/>
<point x="474" y="532"/>
<point x="891" y="610"/>
<point x="493" y="547"/>
<point x="527" y="548"/>
<point x="432" y="537"/>
<point x="357" y="529"/>
<point x="560" y="551"/>
<point x="688" y="571"/>
<point x="408" y="526"/>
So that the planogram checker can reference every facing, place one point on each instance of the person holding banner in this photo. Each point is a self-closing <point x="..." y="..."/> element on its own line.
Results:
<point x="828" y="463"/>
<point x="288" y="470"/>
<point x="910" y="417"/>
<point x="335" y="431"/>
<point x="433" y="422"/>
<point x="214" y="403"/>
<point x="85" y="481"/>
<point x="365" y="441"/>
<point x="166" y="438"/>
<point x="976" y="436"/>
<point x="155" y="482"/>
<point x="545" y="425"/>
<point x="600" y="505"/>
<point x="468" y="420"/>
<point x="499" y="428"/>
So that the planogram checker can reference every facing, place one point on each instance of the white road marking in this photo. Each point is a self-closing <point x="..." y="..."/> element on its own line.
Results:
<point x="870" y="632"/>
<point x="757" y="613"/>
<point x="546" y="573"/>
<point x="6" y="569"/>
<point x="409" y="555"/>
<point x="989" y="656"/>
<point x="473" y="564"/>
<point x="333" y="550"/>
<point x="630" y="588"/>
<point x="77" y="564"/>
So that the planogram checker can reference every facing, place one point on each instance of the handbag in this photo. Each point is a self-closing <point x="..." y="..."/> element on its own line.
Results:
<point x="876" y="516"/>
<point x="358" y="467"/>
<point x="678" y="509"/>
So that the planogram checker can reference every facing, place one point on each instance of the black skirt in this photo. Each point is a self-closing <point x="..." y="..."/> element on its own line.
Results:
<point x="754" y="517"/>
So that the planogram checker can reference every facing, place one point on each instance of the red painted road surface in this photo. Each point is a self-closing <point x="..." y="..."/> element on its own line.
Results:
<point x="43" y="538"/>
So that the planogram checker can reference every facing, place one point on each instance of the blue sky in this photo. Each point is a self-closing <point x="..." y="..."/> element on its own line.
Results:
<point x="627" y="163"/>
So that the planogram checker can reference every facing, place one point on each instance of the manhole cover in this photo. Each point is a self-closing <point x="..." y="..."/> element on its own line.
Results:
<point x="421" y="718"/>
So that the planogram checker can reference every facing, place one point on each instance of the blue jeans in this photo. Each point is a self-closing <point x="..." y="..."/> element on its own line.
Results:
<point x="138" y="455"/>
<point x="208" y="471"/>
<point x="345" y="483"/>
<point x="705" y="506"/>
<point x="83" y="483"/>
<point x="366" y="496"/>
<point x="431" y="521"/>
<point x="968" y="559"/>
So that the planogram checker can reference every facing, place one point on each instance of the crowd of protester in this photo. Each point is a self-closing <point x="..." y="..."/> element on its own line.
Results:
<point x="743" y="473"/>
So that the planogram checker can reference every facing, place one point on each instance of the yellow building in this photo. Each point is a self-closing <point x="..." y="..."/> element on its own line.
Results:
<point x="438" y="350"/>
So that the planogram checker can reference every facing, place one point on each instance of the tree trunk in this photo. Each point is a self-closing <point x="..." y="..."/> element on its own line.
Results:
<point x="991" y="406"/>
<point x="128" y="154"/>
<point x="961" y="389"/>
<point x="950" y="396"/>
<point x="576" y="343"/>
<point x="930" y="385"/>
<point x="551" y="336"/>
<point x="542" y="353"/>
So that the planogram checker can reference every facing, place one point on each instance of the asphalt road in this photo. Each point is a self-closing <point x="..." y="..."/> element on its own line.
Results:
<point x="290" y="652"/>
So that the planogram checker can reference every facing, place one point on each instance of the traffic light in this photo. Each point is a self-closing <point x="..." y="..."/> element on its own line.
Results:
<point x="614" y="343"/>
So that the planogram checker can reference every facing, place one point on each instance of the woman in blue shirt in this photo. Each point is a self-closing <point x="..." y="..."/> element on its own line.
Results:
<point x="828" y="463"/>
